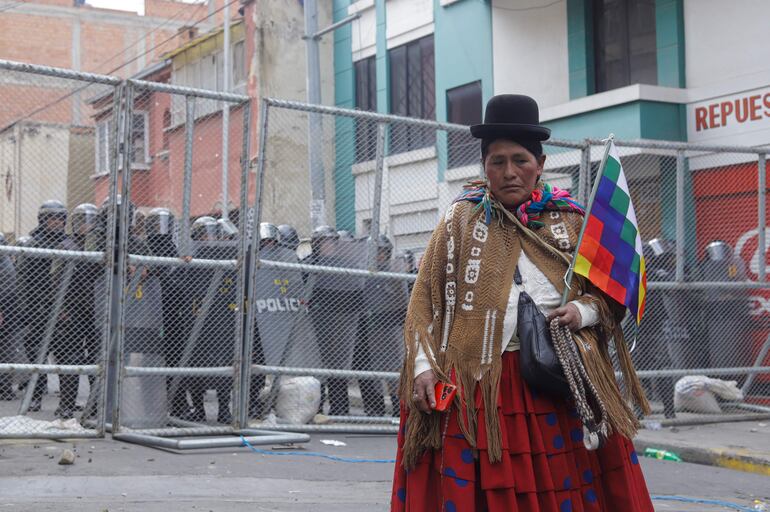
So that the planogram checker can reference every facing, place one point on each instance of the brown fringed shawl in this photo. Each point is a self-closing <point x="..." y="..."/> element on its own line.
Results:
<point x="457" y="309"/>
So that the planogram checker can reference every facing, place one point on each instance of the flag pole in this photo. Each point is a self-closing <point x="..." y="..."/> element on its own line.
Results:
<point x="571" y="270"/>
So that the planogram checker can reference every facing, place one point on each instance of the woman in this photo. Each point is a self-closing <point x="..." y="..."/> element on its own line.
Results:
<point x="501" y="445"/>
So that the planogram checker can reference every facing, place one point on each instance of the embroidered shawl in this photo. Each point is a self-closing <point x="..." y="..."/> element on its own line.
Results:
<point x="456" y="315"/>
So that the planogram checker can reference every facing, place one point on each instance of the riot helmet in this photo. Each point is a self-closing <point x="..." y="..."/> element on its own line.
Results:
<point x="409" y="261"/>
<point x="659" y="246"/>
<point x="205" y="229"/>
<point x="322" y="240"/>
<point x="268" y="234"/>
<point x="719" y="250"/>
<point x="84" y="217"/>
<point x="289" y="237"/>
<point x="227" y="229"/>
<point x="52" y="215"/>
<point x="25" y="241"/>
<point x="104" y="211"/>
<point x="159" y="222"/>
<point x="345" y="235"/>
<point x="384" y="249"/>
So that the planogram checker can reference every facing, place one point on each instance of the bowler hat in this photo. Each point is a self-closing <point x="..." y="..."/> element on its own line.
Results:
<point x="511" y="115"/>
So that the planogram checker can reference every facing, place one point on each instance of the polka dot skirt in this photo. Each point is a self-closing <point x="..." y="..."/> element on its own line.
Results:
<point x="545" y="467"/>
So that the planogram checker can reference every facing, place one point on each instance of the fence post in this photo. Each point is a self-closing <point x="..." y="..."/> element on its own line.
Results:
<point x="762" y="210"/>
<point x="243" y="364"/>
<point x="584" y="173"/>
<point x="189" y="128"/>
<point x="122" y="260"/>
<point x="680" y="234"/>
<point x="374" y="231"/>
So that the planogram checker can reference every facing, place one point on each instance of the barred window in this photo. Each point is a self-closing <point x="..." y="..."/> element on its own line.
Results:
<point x="464" y="107"/>
<point x="366" y="99"/>
<point x="412" y="93"/>
<point x="105" y="140"/>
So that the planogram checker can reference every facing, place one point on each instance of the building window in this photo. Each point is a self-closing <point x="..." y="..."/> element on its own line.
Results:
<point x="208" y="73"/>
<point x="412" y="93"/>
<point x="463" y="107"/>
<point x="624" y="43"/>
<point x="140" y="153"/>
<point x="366" y="99"/>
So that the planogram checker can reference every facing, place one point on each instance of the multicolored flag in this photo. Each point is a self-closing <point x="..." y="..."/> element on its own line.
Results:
<point x="610" y="253"/>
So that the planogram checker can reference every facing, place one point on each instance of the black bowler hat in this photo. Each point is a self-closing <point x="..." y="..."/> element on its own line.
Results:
<point x="511" y="115"/>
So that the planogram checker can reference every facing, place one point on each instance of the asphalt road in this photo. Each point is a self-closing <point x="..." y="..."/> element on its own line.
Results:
<point x="114" y="476"/>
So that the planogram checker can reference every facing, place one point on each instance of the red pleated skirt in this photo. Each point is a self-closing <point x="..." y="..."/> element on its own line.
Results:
<point x="545" y="466"/>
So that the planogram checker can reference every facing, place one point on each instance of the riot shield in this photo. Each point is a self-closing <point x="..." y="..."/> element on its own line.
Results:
<point x="278" y="303"/>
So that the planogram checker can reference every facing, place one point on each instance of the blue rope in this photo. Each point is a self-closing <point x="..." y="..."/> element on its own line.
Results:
<point x="720" y="503"/>
<point x="315" y="454"/>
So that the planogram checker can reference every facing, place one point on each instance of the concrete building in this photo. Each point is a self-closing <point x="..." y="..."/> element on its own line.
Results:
<point x="267" y="56"/>
<point x="67" y="34"/>
<point x="40" y="161"/>
<point x="680" y="70"/>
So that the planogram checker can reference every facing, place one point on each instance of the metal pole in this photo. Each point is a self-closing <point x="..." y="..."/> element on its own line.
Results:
<point x="374" y="232"/>
<point x="335" y="26"/>
<point x="226" y="114"/>
<point x="192" y="339"/>
<point x="241" y="388"/>
<point x="680" y="234"/>
<point x="98" y="397"/>
<point x="317" y="185"/>
<point x="584" y="173"/>
<point x="189" y="127"/>
<point x="123" y="223"/>
<point x="571" y="269"/>
<point x="50" y="326"/>
<point x="762" y="209"/>
<point x="757" y="364"/>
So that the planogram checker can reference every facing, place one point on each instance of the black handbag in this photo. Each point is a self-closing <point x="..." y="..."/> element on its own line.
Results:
<point x="539" y="365"/>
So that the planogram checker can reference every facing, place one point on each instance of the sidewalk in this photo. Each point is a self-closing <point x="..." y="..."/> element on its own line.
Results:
<point x="742" y="446"/>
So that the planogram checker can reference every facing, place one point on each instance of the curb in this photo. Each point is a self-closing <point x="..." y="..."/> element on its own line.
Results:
<point x="738" y="460"/>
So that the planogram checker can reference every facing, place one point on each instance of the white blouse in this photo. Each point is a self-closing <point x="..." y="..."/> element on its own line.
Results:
<point x="543" y="293"/>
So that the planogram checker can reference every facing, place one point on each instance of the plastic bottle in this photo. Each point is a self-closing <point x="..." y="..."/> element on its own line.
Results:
<point x="657" y="453"/>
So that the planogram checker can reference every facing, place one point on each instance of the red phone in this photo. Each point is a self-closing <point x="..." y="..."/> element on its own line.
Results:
<point x="445" y="393"/>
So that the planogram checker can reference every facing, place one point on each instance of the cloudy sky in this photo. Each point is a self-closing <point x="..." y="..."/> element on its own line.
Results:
<point x="128" y="5"/>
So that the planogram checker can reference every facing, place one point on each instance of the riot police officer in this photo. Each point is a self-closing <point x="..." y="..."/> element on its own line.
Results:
<point x="160" y="225"/>
<point x="651" y="351"/>
<point x="380" y="336"/>
<point x="216" y="340"/>
<point x="8" y="298"/>
<point x="335" y="307"/>
<point x="38" y="288"/>
<point x="76" y="341"/>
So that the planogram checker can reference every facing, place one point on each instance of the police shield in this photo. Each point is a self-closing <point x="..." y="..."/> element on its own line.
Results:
<point x="385" y="303"/>
<point x="278" y="303"/>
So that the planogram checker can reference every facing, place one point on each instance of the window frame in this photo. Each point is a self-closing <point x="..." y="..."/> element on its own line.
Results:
<point x="365" y="78"/>
<point x="103" y="148"/>
<point x="600" y="47"/>
<point x="456" y="160"/>
<point x="417" y="57"/>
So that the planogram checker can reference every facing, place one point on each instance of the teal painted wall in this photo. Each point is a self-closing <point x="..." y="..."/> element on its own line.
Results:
<point x="635" y="120"/>
<point x="463" y="53"/>
<point x="669" y="35"/>
<point x="383" y="70"/>
<point x="580" y="43"/>
<point x="344" y="128"/>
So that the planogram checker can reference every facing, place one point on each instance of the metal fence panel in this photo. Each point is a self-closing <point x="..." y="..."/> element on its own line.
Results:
<point x="52" y="339"/>
<point x="389" y="179"/>
<point x="183" y="269"/>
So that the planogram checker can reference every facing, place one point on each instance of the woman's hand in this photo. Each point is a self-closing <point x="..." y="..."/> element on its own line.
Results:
<point x="568" y="315"/>
<point x="424" y="396"/>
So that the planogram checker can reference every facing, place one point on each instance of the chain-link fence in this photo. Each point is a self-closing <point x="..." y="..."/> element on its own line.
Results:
<point x="52" y="343"/>
<point x="152" y="303"/>
<point x="365" y="201"/>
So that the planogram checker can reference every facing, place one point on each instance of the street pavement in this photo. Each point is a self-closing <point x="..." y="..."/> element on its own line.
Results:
<point x="116" y="476"/>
